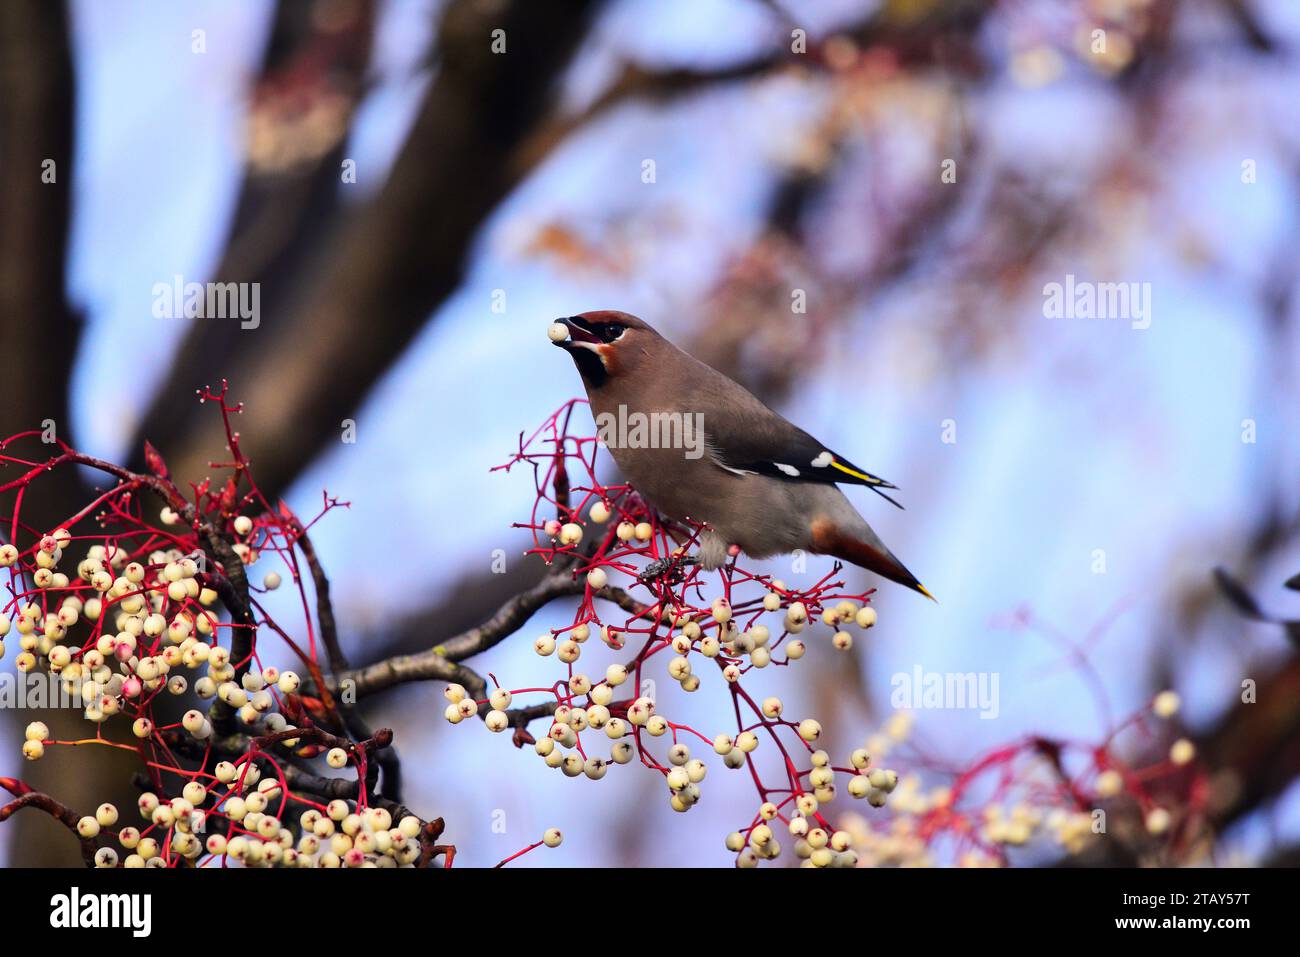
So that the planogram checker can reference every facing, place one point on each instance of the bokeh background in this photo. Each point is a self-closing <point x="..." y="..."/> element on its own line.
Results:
<point x="494" y="191"/>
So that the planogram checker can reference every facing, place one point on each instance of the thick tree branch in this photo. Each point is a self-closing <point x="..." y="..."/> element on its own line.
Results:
<point x="442" y="662"/>
<point x="25" y="796"/>
<point x="39" y="329"/>
<point x="301" y="108"/>
<point x="384" y="268"/>
<point x="329" y="630"/>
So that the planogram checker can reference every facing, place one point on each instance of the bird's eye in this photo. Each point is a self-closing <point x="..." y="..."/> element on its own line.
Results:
<point x="611" y="331"/>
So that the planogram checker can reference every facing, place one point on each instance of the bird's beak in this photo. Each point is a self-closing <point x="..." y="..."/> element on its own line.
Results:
<point x="581" y="335"/>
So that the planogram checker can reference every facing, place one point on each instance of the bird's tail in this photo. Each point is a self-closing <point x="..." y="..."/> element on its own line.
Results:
<point x="866" y="551"/>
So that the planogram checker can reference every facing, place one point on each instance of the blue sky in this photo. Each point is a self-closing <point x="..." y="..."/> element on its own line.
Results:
<point x="1073" y="435"/>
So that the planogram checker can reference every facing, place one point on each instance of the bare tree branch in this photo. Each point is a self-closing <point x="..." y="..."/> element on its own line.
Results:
<point x="25" y="796"/>
<point x="39" y="329"/>
<point x="301" y="108"/>
<point x="443" y="660"/>
<point x="383" y="269"/>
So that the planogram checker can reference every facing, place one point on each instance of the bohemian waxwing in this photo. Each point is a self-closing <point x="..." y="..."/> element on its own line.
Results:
<point x="757" y="480"/>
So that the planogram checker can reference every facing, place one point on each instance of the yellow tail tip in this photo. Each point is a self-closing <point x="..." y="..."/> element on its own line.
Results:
<point x="926" y="592"/>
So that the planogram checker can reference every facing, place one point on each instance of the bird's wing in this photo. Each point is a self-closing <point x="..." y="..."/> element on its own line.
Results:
<point x="761" y="442"/>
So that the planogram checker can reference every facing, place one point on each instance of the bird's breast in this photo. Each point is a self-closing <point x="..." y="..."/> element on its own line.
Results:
<point x="680" y="487"/>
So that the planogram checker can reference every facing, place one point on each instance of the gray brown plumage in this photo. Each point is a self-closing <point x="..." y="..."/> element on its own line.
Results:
<point x="760" y="483"/>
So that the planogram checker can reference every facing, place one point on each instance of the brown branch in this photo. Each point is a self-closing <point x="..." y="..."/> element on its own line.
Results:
<point x="382" y="738"/>
<point x="383" y="268"/>
<point x="301" y="107"/>
<point x="39" y="329"/>
<point x="25" y="796"/>
<point x="442" y="662"/>
<point x="514" y="613"/>
<point x="345" y="789"/>
<point x="387" y="758"/>
<point x="324" y="606"/>
<point x="1252" y="30"/>
<point x="399" y="669"/>
<point x="636" y="83"/>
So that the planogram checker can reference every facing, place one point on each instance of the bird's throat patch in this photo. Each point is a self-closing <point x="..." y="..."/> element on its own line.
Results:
<point x="591" y="366"/>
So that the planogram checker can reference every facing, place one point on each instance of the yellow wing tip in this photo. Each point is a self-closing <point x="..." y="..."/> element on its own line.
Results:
<point x="926" y="592"/>
<point x="869" y="479"/>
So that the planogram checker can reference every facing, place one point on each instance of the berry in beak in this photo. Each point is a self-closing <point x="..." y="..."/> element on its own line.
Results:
<point x="581" y="334"/>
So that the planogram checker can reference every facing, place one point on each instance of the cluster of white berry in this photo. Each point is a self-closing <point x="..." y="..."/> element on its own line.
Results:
<point x="898" y="843"/>
<point x="915" y="810"/>
<point x="152" y="624"/>
<point x="1013" y="828"/>
<point x="816" y="844"/>
<point x="1072" y="828"/>
<point x="340" y="836"/>
<point x="733" y="638"/>
<point x="150" y="629"/>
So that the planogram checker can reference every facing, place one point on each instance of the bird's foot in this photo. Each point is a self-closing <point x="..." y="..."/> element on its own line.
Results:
<point x="674" y="568"/>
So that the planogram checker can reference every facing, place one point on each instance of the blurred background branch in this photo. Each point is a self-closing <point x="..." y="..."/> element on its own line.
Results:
<point x="781" y="168"/>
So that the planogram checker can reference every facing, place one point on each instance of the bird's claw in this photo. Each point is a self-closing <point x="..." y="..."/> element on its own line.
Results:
<point x="673" y="567"/>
